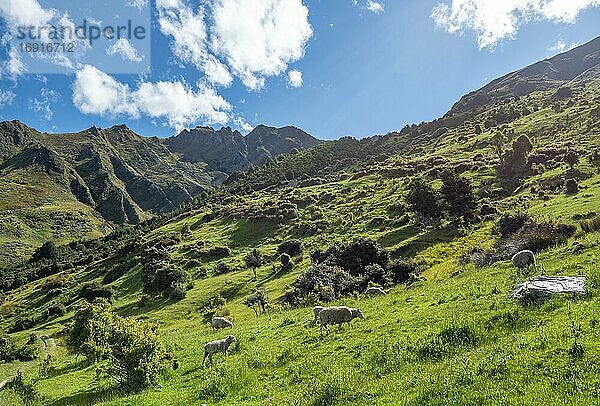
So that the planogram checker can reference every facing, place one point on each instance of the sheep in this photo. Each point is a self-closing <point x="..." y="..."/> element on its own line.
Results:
<point x="217" y="346"/>
<point x="316" y="311"/>
<point x="220" y="322"/>
<point x="337" y="315"/>
<point x="524" y="259"/>
<point x="374" y="291"/>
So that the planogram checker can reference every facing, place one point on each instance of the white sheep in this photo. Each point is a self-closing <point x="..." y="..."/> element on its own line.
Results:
<point x="217" y="346"/>
<point x="524" y="259"/>
<point x="337" y="315"/>
<point x="374" y="291"/>
<point x="220" y="322"/>
<point x="316" y="311"/>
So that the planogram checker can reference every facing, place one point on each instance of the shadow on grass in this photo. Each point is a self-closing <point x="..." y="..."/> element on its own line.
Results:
<point x="251" y="233"/>
<point x="90" y="397"/>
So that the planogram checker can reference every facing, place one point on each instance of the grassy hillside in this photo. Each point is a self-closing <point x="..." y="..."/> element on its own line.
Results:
<point x="446" y="334"/>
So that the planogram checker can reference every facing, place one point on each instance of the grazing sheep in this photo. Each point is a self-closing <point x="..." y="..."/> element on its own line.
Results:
<point x="375" y="291"/>
<point x="220" y="322"/>
<point x="316" y="311"/>
<point x="524" y="259"/>
<point x="337" y="315"/>
<point x="217" y="346"/>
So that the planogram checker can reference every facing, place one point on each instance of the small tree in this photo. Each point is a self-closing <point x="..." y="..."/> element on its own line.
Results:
<point x="258" y="300"/>
<point x="253" y="260"/>
<point x="423" y="200"/>
<point x="286" y="262"/>
<point x="458" y="196"/>
<point x="498" y="141"/>
<point x="48" y="251"/>
<point x="572" y="158"/>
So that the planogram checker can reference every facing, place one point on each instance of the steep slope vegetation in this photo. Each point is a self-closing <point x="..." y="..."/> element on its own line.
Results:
<point x="112" y="176"/>
<point x="446" y="333"/>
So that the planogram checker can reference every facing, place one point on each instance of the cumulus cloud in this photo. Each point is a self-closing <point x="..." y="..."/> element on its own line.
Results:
<point x="295" y="78"/>
<point x="6" y="98"/>
<point x="374" y="6"/>
<point x="25" y="12"/>
<point x="123" y="48"/>
<point x="495" y="20"/>
<point x="248" y="39"/>
<point x="95" y="92"/>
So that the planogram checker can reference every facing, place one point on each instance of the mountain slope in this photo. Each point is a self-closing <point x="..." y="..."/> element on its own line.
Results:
<point x="544" y="75"/>
<point x="447" y="335"/>
<point x="115" y="175"/>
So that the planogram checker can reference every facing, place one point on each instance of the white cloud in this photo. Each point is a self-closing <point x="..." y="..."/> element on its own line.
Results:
<point x="295" y="78"/>
<point x="495" y="20"/>
<point x="139" y="4"/>
<point x="43" y="104"/>
<point x="6" y="98"/>
<point x="249" y="39"/>
<point x="95" y="92"/>
<point x="188" y="31"/>
<point x="374" y="6"/>
<point x="258" y="38"/>
<point x="25" y="12"/>
<point x="124" y="48"/>
<point x="562" y="46"/>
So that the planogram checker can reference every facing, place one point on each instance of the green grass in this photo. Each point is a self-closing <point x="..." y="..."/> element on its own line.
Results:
<point x="453" y="339"/>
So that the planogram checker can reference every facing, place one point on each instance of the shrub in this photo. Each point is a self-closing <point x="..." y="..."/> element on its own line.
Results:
<point x="458" y="196"/>
<point x="253" y="260"/>
<point x="56" y="310"/>
<point x="571" y="186"/>
<point x="318" y="276"/>
<point x="48" y="251"/>
<point x="355" y="256"/>
<point x="137" y="357"/>
<point x="55" y="282"/>
<point x="590" y="225"/>
<point x="91" y="291"/>
<point x="423" y="200"/>
<point x="222" y="268"/>
<point x="258" y="300"/>
<point x="115" y="273"/>
<point x="135" y="354"/>
<point x="509" y="224"/>
<point x="218" y="252"/>
<point x="286" y="262"/>
<point x="8" y="348"/>
<point x="211" y="308"/>
<point x="537" y="237"/>
<point x="402" y="270"/>
<point x="291" y="247"/>
<point x="23" y="322"/>
<point x="165" y="279"/>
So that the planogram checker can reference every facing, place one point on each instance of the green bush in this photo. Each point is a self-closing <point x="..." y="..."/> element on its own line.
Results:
<point x="591" y="225"/>
<point x="222" y="268"/>
<point x="164" y="278"/>
<point x="291" y="247"/>
<point x="91" y="291"/>
<point x="136" y="357"/>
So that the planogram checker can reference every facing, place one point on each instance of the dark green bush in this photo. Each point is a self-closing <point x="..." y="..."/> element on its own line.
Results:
<point x="508" y="224"/>
<point x="91" y="291"/>
<point x="291" y="247"/>
<point x="222" y="268"/>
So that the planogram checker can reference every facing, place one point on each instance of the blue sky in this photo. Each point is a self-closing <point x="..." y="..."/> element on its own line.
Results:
<point x="333" y="68"/>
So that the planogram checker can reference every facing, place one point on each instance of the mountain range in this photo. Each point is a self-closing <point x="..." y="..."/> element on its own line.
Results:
<point x="61" y="186"/>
